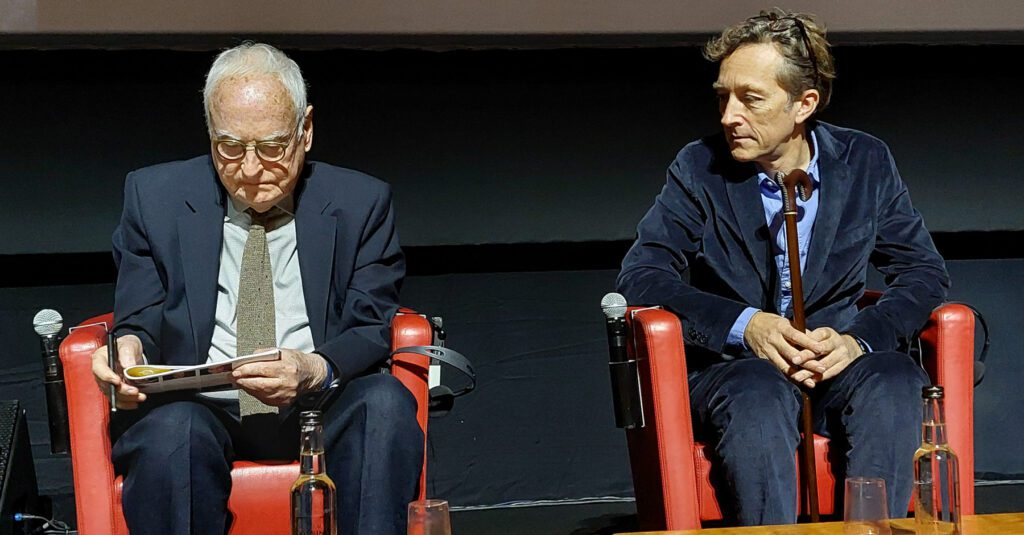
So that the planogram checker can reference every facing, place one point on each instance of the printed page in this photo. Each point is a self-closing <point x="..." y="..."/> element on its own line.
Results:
<point x="153" y="378"/>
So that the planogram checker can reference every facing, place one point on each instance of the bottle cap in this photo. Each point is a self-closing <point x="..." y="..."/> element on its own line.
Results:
<point x="932" y="392"/>
<point x="309" y="418"/>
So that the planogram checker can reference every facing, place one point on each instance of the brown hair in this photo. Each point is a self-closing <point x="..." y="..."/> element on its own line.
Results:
<point x="798" y="37"/>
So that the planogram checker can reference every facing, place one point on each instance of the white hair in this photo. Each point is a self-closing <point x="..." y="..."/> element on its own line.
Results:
<point x="251" y="58"/>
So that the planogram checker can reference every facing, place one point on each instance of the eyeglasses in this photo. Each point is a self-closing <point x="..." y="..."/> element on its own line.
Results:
<point x="268" y="151"/>
<point x="784" y="25"/>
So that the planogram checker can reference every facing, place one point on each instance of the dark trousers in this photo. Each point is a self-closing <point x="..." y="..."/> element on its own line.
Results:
<point x="749" y="412"/>
<point x="176" y="455"/>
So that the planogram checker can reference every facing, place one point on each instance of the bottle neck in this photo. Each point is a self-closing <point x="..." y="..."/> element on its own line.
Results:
<point x="934" y="429"/>
<point x="311" y="450"/>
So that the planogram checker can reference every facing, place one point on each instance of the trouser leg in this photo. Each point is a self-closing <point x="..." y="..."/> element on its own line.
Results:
<point x="374" y="454"/>
<point x="749" y="411"/>
<point x="873" y="410"/>
<point x="176" y="463"/>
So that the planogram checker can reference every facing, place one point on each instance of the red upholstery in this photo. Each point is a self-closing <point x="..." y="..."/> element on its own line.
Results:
<point x="259" y="496"/>
<point x="670" y="469"/>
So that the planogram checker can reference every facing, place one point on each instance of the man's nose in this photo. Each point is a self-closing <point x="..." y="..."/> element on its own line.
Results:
<point x="730" y="110"/>
<point x="251" y="164"/>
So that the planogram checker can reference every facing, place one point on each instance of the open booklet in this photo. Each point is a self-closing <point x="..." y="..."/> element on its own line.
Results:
<point x="154" y="378"/>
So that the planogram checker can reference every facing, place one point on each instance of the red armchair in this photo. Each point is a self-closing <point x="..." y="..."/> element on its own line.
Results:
<point x="670" y="469"/>
<point x="259" y="496"/>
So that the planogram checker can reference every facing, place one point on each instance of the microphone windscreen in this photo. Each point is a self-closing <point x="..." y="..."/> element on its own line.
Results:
<point x="47" y="322"/>
<point x="613" y="305"/>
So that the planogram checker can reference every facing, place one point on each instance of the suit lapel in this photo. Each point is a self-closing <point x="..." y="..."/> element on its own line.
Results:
<point x="745" y="202"/>
<point x="200" y="232"/>
<point x="315" y="233"/>
<point x="835" y="187"/>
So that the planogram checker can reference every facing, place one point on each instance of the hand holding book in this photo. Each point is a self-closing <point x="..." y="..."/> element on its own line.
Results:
<point x="153" y="378"/>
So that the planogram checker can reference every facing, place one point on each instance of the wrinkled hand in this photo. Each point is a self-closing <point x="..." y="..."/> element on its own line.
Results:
<point x="794" y="353"/>
<point x="129" y="353"/>
<point x="836" y="353"/>
<point x="280" y="382"/>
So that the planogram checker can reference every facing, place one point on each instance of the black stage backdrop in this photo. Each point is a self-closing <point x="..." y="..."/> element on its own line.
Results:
<point x="519" y="177"/>
<point x="493" y="146"/>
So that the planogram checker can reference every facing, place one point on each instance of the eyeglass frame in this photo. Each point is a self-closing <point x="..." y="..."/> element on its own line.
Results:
<point x="255" y="146"/>
<point x="772" y="18"/>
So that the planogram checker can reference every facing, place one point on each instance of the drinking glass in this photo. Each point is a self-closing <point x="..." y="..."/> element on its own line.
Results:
<point x="865" y="509"/>
<point x="429" y="517"/>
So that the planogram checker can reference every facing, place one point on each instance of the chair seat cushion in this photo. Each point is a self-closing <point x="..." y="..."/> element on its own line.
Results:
<point x="709" y="508"/>
<point x="260" y="497"/>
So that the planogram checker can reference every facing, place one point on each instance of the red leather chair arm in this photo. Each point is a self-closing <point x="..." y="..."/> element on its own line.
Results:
<point x="948" y="349"/>
<point x="664" y="484"/>
<point x="88" y="420"/>
<point x="412" y="329"/>
<point x="947" y="345"/>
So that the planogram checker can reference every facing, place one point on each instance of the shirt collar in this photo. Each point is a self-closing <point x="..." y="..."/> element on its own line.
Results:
<point x="812" y="168"/>
<point x="237" y="212"/>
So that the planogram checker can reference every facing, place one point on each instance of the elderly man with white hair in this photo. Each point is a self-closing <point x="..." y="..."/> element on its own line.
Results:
<point x="250" y="247"/>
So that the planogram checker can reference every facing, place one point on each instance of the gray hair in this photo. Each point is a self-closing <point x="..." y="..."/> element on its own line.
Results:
<point x="251" y="58"/>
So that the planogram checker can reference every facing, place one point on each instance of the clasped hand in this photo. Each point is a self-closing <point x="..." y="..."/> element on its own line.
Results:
<point x="276" y="382"/>
<point x="805" y="357"/>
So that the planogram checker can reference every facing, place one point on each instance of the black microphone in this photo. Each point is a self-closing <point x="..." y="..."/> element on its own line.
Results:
<point x="48" y="324"/>
<point x="629" y="412"/>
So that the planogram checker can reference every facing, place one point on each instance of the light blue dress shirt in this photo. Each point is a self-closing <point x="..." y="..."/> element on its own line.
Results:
<point x="807" y="211"/>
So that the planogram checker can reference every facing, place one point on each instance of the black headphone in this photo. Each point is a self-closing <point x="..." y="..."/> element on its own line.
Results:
<point x="442" y="398"/>
<point x="979" y="363"/>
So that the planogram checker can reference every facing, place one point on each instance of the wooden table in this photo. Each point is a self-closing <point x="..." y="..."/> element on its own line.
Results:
<point x="1001" y="524"/>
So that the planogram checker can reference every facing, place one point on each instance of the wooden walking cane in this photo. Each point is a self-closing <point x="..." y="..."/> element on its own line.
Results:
<point x="789" y="185"/>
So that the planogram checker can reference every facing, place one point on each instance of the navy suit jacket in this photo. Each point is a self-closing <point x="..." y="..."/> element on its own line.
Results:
<point x="704" y="251"/>
<point x="167" y="250"/>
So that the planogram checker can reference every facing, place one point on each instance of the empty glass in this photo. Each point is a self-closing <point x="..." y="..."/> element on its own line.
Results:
<point x="429" y="517"/>
<point x="865" y="509"/>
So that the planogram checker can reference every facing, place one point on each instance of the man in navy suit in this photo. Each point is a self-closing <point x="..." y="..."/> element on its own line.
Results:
<point x="712" y="249"/>
<point x="195" y="238"/>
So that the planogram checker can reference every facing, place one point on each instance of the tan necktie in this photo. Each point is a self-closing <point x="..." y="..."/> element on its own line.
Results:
<point x="256" y="325"/>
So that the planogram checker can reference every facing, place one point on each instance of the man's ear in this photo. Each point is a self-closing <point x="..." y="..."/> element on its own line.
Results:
<point x="307" y="129"/>
<point x="806" y="104"/>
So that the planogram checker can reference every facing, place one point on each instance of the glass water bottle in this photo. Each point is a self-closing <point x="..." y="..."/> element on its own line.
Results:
<point x="314" y="510"/>
<point x="936" y="475"/>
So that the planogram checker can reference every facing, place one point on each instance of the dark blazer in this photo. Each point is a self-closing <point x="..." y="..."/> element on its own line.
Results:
<point x="704" y="251"/>
<point x="167" y="251"/>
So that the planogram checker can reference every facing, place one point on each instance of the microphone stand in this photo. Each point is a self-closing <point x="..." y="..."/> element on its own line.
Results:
<point x="789" y="184"/>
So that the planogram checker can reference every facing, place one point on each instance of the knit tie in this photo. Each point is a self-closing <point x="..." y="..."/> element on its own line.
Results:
<point x="256" y="327"/>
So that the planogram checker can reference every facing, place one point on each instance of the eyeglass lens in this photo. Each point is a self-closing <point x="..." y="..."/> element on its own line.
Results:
<point x="235" y="150"/>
